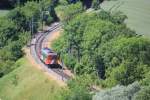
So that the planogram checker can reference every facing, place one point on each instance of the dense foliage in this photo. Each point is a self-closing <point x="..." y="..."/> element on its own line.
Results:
<point x="79" y="88"/>
<point x="101" y="43"/>
<point x="93" y="44"/>
<point x="66" y="12"/>
<point x="143" y="94"/>
<point x="16" y="29"/>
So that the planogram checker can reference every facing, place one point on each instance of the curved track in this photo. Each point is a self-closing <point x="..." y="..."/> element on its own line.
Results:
<point x="36" y="46"/>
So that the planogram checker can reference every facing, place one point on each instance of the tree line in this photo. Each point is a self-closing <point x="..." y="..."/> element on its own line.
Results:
<point x="17" y="29"/>
<point x="13" y="3"/>
<point x="99" y="44"/>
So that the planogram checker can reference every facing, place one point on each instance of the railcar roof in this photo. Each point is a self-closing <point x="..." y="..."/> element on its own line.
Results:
<point x="48" y="51"/>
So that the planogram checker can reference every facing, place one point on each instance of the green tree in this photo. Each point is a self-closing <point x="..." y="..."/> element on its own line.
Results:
<point x="65" y="13"/>
<point x="15" y="33"/>
<point x="7" y="31"/>
<point x="129" y="52"/>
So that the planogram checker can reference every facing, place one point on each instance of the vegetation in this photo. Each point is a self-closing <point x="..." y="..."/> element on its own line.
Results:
<point x="136" y="10"/>
<point x="27" y="82"/>
<point x="143" y="94"/>
<point x="97" y="46"/>
<point x="99" y="43"/>
<point x="90" y="43"/>
<point x="78" y="89"/>
<point x="118" y="93"/>
<point x="66" y="12"/>
<point x="16" y="29"/>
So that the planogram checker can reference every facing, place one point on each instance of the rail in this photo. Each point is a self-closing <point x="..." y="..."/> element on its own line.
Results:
<point x="37" y="47"/>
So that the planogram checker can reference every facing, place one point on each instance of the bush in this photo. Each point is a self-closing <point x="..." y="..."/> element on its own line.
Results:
<point x="118" y="93"/>
<point x="6" y="67"/>
<point x="146" y="80"/>
<point x="78" y="89"/>
<point x="143" y="94"/>
<point x="114" y="17"/>
<point x="69" y="60"/>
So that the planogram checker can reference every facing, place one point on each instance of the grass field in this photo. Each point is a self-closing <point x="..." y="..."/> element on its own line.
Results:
<point x="138" y="12"/>
<point x="3" y="12"/>
<point x="27" y="83"/>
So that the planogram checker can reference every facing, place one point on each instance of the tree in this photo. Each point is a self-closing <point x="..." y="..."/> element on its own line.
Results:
<point x="14" y="34"/>
<point x="24" y="16"/>
<point x="7" y="31"/>
<point x="129" y="53"/>
<point x="65" y="13"/>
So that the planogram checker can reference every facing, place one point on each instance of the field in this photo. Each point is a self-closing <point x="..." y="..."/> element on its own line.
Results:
<point x="27" y="83"/>
<point x="3" y="12"/>
<point x="138" y="12"/>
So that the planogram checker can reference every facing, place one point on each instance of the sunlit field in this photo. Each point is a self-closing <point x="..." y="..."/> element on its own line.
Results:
<point x="138" y="12"/>
<point x="3" y="12"/>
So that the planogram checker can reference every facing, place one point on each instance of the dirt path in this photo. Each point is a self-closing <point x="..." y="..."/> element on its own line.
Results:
<point x="49" y="40"/>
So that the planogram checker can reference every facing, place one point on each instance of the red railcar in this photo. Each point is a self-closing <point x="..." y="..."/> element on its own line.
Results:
<point x="49" y="57"/>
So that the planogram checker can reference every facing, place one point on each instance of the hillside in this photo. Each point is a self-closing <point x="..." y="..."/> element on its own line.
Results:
<point x="137" y="12"/>
<point x="27" y="83"/>
<point x="108" y="58"/>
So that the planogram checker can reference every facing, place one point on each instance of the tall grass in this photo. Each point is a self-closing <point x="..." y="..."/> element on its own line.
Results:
<point x="27" y="83"/>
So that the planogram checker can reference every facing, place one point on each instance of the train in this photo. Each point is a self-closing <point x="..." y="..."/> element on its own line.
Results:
<point x="50" y="58"/>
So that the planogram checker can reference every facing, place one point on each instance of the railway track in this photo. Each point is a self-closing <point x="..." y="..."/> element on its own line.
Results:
<point x="35" y="51"/>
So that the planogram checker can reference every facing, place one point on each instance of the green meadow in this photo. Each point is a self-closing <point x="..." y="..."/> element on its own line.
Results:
<point x="3" y="12"/>
<point x="138" y="12"/>
<point x="27" y="83"/>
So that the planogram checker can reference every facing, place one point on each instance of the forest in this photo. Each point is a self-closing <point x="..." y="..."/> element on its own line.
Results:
<point x="100" y="45"/>
<point x="18" y="27"/>
<point x="97" y="46"/>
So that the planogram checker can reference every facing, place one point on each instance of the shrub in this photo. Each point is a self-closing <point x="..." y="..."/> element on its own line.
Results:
<point x="118" y="93"/>
<point x="143" y="94"/>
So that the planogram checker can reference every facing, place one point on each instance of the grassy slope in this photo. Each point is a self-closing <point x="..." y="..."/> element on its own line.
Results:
<point x="138" y="12"/>
<point x="3" y="12"/>
<point x="27" y="83"/>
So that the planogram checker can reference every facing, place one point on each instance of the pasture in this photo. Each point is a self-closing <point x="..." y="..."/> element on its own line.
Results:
<point x="3" y="12"/>
<point x="27" y="83"/>
<point x="138" y="12"/>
